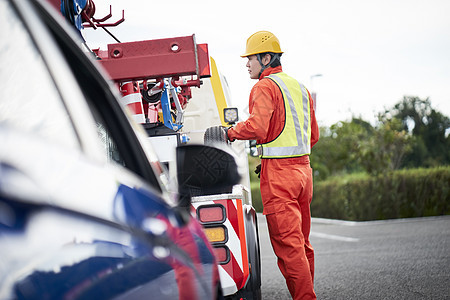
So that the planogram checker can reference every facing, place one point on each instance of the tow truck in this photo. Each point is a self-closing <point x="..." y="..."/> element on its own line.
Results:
<point x="156" y="79"/>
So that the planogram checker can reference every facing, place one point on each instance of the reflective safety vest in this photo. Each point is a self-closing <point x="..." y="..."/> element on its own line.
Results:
<point x="295" y="137"/>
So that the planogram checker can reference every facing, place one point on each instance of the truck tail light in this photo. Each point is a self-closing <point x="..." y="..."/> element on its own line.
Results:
<point x="222" y="255"/>
<point x="211" y="214"/>
<point x="216" y="234"/>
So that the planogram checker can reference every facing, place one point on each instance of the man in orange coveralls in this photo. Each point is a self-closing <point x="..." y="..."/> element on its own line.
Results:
<point x="283" y="122"/>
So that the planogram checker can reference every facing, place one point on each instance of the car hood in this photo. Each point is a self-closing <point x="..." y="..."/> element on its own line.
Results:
<point x="47" y="173"/>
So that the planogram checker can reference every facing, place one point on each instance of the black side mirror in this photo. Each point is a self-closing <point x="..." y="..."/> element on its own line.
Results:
<point x="204" y="170"/>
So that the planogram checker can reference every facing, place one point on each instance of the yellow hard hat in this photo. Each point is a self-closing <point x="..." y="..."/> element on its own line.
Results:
<point x="262" y="42"/>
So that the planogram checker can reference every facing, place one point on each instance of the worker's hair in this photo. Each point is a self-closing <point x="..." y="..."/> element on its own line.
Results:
<point x="276" y="62"/>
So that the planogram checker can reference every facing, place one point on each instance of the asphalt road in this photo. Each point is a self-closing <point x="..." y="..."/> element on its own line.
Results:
<point x="396" y="259"/>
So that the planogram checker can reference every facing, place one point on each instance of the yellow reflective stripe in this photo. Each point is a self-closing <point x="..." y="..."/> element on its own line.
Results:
<point x="281" y="152"/>
<point x="295" y="138"/>
<point x="293" y="108"/>
<point x="306" y="120"/>
<point x="307" y="117"/>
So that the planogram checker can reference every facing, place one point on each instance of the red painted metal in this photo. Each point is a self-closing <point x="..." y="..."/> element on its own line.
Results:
<point x="88" y="11"/>
<point x="90" y="21"/>
<point x="132" y="99"/>
<point x="56" y="4"/>
<point x="203" y="60"/>
<point x="153" y="59"/>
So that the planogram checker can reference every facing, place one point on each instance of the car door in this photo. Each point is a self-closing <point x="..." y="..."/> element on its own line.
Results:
<point x="70" y="140"/>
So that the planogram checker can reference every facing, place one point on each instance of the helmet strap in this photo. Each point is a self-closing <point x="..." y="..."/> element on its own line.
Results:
<point x="263" y="67"/>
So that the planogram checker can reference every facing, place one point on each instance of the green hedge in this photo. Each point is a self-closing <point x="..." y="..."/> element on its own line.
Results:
<point x="254" y="183"/>
<point x="256" y="195"/>
<point x="399" y="194"/>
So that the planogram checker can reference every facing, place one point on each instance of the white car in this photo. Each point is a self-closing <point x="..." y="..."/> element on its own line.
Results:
<point x="83" y="213"/>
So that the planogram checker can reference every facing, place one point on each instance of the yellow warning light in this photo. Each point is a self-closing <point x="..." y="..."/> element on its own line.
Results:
<point x="216" y="234"/>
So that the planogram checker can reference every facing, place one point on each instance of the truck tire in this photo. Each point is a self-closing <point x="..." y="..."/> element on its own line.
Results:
<point x="214" y="135"/>
<point x="253" y="289"/>
<point x="219" y="293"/>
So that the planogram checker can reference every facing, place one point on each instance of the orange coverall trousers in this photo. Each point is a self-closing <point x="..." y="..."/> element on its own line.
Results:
<point x="286" y="191"/>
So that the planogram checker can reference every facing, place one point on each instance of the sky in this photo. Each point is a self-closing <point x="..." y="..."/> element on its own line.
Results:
<point x="370" y="54"/>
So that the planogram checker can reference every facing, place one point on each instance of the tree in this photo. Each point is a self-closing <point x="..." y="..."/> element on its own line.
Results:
<point x="384" y="150"/>
<point x="338" y="148"/>
<point x="410" y="134"/>
<point x="357" y="146"/>
<point x="429" y="128"/>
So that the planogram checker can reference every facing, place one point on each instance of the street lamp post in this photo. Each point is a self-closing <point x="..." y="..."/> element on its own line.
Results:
<point x="313" y="92"/>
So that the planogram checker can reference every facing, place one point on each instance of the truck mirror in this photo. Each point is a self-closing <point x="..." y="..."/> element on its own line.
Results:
<point x="204" y="170"/>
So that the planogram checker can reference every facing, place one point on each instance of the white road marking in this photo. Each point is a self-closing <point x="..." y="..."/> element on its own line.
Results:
<point x="334" y="237"/>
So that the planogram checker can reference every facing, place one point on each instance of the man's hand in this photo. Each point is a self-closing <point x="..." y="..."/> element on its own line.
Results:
<point x="225" y="129"/>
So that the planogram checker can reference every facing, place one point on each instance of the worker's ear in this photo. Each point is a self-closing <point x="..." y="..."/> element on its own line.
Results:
<point x="266" y="59"/>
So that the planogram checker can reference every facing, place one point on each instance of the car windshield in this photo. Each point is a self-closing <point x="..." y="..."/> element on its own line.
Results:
<point x="29" y="100"/>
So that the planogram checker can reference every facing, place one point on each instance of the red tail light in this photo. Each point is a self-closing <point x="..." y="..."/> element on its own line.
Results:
<point x="211" y="214"/>
<point x="222" y="255"/>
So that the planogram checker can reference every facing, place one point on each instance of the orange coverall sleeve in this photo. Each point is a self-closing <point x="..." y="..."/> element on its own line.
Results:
<point x="314" y="127"/>
<point x="257" y="125"/>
